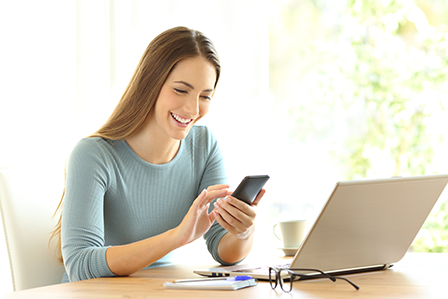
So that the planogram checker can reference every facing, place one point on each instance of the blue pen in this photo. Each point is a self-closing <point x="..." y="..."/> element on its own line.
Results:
<point x="238" y="278"/>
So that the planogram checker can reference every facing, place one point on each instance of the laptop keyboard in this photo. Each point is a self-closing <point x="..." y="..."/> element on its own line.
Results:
<point x="262" y="270"/>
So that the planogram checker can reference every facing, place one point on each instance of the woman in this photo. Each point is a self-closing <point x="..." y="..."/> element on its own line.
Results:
<point x="142" y="185"/>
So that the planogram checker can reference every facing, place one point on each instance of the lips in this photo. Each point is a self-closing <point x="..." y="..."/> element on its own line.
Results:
<point x="180" y="119"/>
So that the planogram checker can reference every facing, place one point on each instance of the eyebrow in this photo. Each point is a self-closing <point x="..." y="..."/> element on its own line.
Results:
<point x="191" y="86"/>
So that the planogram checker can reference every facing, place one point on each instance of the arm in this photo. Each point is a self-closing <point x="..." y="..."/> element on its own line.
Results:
<point x="230" y="238"/>
<point x="127" y="259"/>
<point x="238" y="219"/>
<point x="83" y="234"/>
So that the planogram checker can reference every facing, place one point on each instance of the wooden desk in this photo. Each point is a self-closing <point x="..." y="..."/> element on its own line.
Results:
<point x="418" y="275"/>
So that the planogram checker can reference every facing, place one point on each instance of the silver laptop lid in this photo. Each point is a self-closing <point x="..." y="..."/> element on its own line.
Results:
<point x="368" y="223"/>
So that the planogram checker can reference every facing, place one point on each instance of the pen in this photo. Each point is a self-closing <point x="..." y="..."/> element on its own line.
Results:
<point x="234" y="278"/>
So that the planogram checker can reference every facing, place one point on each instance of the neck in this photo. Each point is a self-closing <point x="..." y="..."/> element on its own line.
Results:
<point x="152" y="147"/>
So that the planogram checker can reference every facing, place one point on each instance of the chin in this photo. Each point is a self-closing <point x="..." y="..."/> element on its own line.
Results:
<point x="180" y="135"/>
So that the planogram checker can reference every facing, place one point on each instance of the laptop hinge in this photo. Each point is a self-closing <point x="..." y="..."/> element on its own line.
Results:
<point x="351" y="271"/>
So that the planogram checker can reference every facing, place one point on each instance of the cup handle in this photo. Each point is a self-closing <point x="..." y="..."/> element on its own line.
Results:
<point x="275" y="225"/>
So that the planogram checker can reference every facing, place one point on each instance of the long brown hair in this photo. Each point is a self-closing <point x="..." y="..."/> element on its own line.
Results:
<point x="139" y="97"/>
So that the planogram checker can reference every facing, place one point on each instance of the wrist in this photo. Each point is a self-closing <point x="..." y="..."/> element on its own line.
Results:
<point x="177" y="237"/>
<point x="247" y="234"/>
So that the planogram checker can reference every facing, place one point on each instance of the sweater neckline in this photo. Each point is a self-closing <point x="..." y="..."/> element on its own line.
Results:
<point x="140" y="160"/>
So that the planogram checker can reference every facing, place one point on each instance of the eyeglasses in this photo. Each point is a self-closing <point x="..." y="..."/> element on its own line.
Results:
<point x="275" y="277"/>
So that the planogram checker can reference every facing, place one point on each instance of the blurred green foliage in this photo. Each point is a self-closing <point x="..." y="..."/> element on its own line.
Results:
<point x="369" y="80"/>
<point x="433" y="237"/>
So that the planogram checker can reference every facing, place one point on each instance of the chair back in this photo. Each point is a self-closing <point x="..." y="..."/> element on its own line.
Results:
<point x="28" y="199"/>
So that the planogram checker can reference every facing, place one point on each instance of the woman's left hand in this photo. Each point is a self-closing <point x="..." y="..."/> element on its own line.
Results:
<point x="236" y="216"/>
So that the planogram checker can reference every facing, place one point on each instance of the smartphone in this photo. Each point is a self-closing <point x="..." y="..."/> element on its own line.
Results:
<point x="249" y="187"/>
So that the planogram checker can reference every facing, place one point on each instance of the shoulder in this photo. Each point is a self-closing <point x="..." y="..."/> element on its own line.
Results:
<point x="93" y="148"/>
<point x="92" y="157"/>
<point x="91" y="145"/>
<point x="202" y="135"/>
<point x="202" y="143"/>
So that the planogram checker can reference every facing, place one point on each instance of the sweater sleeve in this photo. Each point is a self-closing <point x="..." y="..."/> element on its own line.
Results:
<point x="83" y="247"/>
<point x="214" y="174"/>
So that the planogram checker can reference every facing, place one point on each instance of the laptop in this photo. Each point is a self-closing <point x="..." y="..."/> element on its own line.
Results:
<point x="365" y="225"/>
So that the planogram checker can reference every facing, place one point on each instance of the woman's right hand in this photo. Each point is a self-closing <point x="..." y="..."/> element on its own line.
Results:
<point x="198" y="221"/>
<point x="129" y="258"/>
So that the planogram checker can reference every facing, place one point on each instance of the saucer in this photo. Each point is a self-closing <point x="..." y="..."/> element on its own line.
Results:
<point x="289" y="251"/>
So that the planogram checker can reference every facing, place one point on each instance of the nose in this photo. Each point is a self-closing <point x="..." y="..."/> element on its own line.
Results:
<point x="191" y="106"/>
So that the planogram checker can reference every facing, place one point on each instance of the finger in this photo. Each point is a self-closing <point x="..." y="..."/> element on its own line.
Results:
<point x="233" y="216"/>
<point x="218" y="187"/>
<point x="218" y="218"/>
<point x="211" y="215"/>
<point x="239" y="219"/>
<point x="240" y="206"/>
<point x="229" y="223"/>
<point x="202" y="198"/>
<point x="207" y="196"/>
<point x="238" y="203"/>
<point x="259" y="197"/>
<point x="211" y="195"/>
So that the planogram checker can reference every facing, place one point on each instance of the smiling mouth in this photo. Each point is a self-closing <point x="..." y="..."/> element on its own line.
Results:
<point x="180" y="119"/>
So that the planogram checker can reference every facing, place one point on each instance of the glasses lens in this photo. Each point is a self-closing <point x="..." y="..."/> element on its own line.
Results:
<point x="285" y="285"/>
<point x="273" y="277"/>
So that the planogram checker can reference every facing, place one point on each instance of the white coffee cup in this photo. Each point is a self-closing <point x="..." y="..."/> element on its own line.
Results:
<point x="292" y="231"/>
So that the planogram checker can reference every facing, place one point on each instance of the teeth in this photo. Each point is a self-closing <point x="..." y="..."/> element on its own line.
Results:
<point x="180" y="119"/>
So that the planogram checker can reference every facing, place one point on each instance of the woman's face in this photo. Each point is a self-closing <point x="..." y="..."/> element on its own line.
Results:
<point x="184" y="98"/>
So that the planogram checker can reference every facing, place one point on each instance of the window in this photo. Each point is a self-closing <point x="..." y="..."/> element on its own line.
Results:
<point x="311" y="92"/>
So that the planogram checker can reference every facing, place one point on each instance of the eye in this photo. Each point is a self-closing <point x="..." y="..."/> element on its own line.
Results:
<point x="180" y="90"/>
<point x="206" y="97"/>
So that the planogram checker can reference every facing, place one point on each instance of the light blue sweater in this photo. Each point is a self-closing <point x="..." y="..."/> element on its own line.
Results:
<point x="113" y="197"/>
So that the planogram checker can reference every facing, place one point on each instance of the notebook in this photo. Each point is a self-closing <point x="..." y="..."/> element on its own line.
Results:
<point x="223" y="285"/>
<point x="365" y="225"/>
